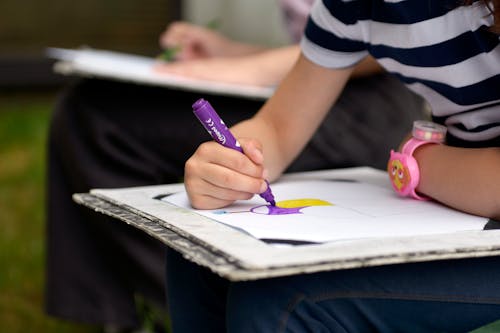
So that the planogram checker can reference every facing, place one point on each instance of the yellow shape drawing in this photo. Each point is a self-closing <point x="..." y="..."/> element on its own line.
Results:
<point x="295" y="203"/>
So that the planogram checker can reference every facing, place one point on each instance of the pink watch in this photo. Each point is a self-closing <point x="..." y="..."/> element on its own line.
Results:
<point x="403" y="168"/>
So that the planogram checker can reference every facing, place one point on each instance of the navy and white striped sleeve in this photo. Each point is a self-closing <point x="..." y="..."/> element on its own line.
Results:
<point x="332" y="37"/>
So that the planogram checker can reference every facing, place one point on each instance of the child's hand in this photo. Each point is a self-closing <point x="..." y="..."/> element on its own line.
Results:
<point x="216" y="176"/>
<point x="194" y="42"/>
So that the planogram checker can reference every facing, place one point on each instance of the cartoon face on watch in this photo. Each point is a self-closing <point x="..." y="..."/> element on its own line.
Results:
<point x="399" y="173"/>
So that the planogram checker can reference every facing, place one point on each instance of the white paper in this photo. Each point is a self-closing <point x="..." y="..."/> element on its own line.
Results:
<point x="358" y="210"/>
<point x="135" y="68"/>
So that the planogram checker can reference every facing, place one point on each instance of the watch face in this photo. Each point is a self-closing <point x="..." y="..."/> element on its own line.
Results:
<point x="399" y="173"/>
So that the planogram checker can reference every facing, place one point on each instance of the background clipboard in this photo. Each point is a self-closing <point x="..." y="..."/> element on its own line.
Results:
<point x="120" y="66"/>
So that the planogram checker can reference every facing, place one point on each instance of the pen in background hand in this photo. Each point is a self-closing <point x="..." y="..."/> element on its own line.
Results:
<point x="220" y="133"/>
<point x="169" y="54"/>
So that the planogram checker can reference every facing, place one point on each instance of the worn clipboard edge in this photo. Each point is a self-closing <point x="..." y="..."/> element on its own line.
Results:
<point x="198" y="252"/>
<point x="227" y="266"/>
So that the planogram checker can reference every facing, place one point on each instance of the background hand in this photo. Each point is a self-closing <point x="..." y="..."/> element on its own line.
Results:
<point x="196" y="42"/>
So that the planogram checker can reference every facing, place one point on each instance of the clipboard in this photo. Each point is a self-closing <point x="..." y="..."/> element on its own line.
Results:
<point x="88" y="62"/>
<point x="238" y="256"/>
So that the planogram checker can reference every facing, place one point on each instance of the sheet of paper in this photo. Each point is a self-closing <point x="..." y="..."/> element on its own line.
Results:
<point x="334" y="210"/>
<point x="139" y="69"/>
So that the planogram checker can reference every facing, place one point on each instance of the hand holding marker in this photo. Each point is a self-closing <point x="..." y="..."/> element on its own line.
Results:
<point x="170" y="53"/>
<point x="220" y="133"/>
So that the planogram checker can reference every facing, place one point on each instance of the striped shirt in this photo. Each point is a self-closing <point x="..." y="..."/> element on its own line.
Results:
<point x="443" y="52"/>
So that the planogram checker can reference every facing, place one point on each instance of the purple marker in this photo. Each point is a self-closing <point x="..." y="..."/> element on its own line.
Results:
<point x="220" y="133"/>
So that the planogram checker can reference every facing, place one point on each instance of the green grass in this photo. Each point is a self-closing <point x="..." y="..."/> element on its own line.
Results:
<point x="24" y="122"/>
<point x="24" y="119"/>
<point x="491" y="328"/>
<point x="23" y="130"/>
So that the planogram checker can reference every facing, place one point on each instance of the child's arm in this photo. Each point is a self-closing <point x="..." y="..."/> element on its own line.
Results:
<point x="265" y="68"/>
<point x="216" y="176"/>
<point x="462" y="178"/>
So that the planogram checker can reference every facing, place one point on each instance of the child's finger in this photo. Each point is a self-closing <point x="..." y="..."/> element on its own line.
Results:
<point x="205" y="195"/>
<point x="224" y="177"/>
<point x="253" y="150"/>
<point x="231" y="159"/>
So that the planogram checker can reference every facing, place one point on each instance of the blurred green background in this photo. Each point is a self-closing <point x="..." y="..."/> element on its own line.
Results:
<point x="28" y="92"/>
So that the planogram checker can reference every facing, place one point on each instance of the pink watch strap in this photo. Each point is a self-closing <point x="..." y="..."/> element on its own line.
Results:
<point x="408" y="149"/>
<point x="411" y="145"/>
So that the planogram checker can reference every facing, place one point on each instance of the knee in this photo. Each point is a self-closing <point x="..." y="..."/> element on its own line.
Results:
<point x="294" y="305"/>
<point x="275" y="305"/>
<point x="254" y="306"/>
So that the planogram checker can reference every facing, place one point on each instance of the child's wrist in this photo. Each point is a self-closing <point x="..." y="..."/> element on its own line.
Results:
<point x="426" y="159"/>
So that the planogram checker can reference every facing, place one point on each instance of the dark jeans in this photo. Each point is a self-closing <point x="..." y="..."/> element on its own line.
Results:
<point x="440" y="296"/>
<point x="108" y="134"/>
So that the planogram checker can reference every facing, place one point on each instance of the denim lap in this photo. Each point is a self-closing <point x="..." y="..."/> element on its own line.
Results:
<point x="441" y="296"/>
